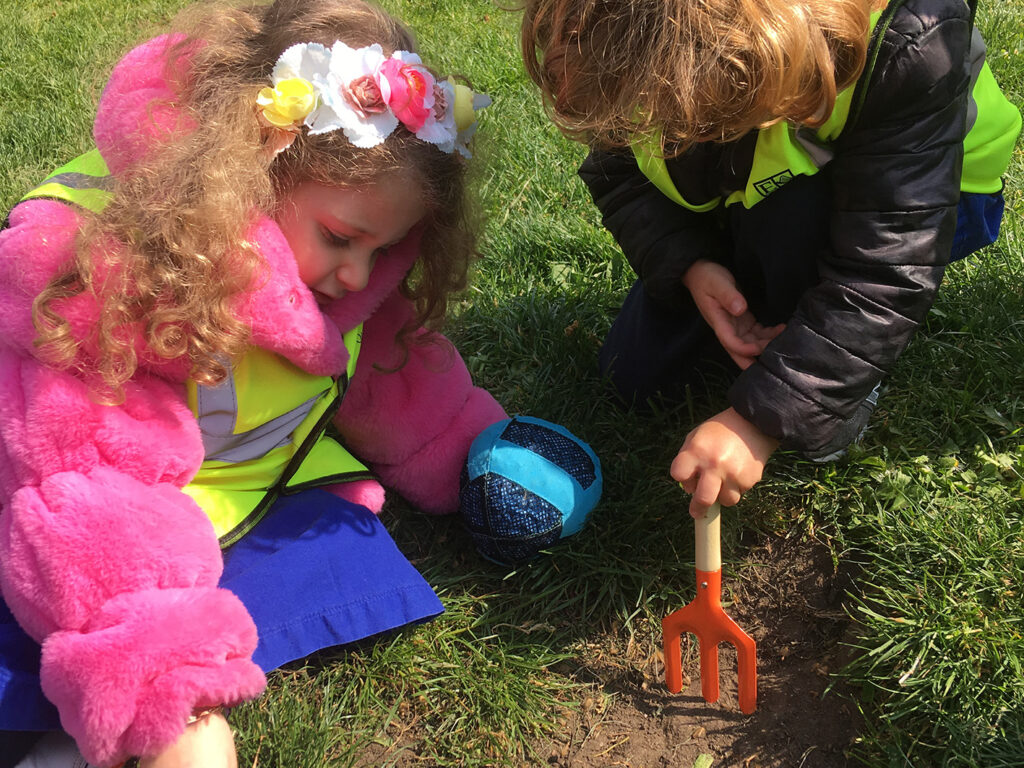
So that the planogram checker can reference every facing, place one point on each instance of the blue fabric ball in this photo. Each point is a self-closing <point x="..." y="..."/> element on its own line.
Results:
<point x="527" y="484"/>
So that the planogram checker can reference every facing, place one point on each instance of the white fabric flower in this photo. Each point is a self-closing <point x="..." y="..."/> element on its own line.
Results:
<point x="309" y="61"/>
<point x="348" y="98"/>
<point x="306" y="60"/>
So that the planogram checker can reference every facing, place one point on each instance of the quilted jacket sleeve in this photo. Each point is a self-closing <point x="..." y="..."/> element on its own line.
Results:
<point x="414" y="425"/>
<point x="103" y="559"/>
<point x="895" y="179"/>
<point x="659" y="238"/>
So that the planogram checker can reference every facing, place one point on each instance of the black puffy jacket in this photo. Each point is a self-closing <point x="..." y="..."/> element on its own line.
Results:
<point x="895" y="188"/>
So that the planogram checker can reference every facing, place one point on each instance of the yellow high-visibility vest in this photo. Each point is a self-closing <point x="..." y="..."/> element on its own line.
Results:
<point x="785" y="150"/>
<point x="264" y="435"/>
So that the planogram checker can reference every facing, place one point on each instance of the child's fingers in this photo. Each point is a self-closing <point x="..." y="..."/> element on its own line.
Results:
<point x="742" y="361"/>
<point x="763" y="336"/>
<point x="705" y="494"/>
<point x="208" y="742"/>
<point x="684" y="470"/>
<point x="751" y="343"/>
<point x="742" y="351"/>
<point x="734" y="302"/>
<point x="735" y="344"/>
<point x="724" y="327"/>
<point x="729" y="496"/>
<point x="721" y="287"/>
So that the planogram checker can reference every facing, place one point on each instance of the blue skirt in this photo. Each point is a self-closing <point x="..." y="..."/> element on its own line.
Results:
<point x="316" y="572"/>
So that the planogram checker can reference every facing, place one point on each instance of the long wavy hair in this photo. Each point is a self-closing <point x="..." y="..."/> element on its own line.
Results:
<point x="612" y="71"/>
<point x="180" y="215"/>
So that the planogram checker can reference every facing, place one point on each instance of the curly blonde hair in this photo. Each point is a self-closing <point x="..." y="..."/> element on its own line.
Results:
<point x="180" y="215"/>
<point x="690" y="70"/>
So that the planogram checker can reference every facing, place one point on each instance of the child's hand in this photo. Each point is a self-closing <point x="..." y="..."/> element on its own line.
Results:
<point x="206" y="743"/>
<point x="725" y="309"/>
<point x="720" y="460"/>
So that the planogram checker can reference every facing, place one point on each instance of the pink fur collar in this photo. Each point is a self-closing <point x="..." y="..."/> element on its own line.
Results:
<point x="285" y="317"/>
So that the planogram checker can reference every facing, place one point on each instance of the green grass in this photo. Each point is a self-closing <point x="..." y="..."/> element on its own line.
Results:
<point x="928" y="507"/>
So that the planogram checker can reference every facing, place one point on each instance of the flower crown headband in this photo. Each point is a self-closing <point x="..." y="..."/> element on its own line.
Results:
<point x="366" y="95"/>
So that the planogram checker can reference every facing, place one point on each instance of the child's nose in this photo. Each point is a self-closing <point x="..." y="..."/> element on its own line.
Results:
<point x="354" y="274"/>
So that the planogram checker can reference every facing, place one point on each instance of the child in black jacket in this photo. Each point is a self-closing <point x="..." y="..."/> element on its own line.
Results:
<point x="789" y="179"/>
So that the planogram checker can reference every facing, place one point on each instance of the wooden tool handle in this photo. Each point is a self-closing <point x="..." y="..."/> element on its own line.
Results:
<point x="708" y="540"/>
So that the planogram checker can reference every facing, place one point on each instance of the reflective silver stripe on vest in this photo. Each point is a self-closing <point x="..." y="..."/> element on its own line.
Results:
<point x="820" y="154"/>
<point x="217" y="408"/>
<point x="73" y="180"/>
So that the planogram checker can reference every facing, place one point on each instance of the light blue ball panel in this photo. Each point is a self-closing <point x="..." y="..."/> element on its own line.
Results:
<point x="490" y="453"/>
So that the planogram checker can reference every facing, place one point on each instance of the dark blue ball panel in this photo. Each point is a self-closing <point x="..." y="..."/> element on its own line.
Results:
<point x="513" y="511"/>
<point x="508" y="523"/>
<point x="472" y="506"/>
<point x="555" y="447"/>
<point x="512" y="551"/>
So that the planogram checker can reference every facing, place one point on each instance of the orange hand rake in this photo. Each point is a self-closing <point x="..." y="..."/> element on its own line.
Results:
<point x="705" y="618"/>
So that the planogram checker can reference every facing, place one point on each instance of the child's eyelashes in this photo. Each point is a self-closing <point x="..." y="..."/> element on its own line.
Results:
<point x="334" y="239"/>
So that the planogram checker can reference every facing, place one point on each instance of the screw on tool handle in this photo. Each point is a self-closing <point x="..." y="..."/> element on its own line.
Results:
<point x="708" y="539"/>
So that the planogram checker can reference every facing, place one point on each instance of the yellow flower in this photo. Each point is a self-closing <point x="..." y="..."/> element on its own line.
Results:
<point x="288" y="103"/>
<point x="463" y="108"/>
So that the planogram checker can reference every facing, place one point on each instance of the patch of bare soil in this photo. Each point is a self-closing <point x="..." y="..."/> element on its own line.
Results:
<point x="789" y="601"/>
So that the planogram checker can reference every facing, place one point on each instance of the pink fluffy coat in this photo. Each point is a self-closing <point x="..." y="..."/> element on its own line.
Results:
<point x="102" y="558"/>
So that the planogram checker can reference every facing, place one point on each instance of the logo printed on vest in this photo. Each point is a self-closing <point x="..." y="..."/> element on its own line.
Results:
<point x="766" y="186"/>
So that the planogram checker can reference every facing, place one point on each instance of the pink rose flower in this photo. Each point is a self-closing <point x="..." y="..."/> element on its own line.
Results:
<point x="406" y="90"/>
<point x="364" y="96"/>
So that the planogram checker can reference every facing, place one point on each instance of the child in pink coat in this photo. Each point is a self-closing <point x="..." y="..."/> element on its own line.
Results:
<point x="214" y="341"/>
